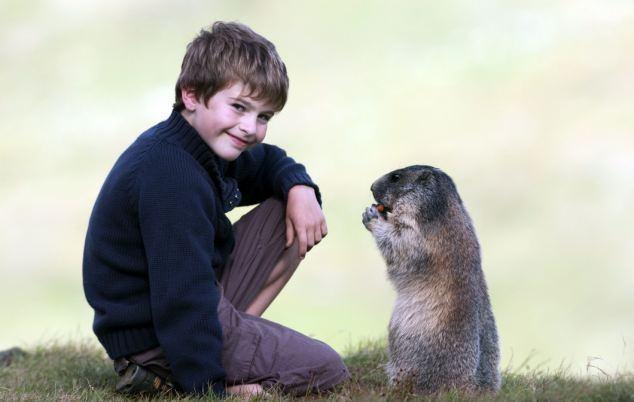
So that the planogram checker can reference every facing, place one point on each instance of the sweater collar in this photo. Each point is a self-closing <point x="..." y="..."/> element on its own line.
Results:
<point x="177" y="129"/>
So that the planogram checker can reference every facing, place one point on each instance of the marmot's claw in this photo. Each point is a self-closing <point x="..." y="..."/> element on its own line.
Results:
<point x="370" y="214"/>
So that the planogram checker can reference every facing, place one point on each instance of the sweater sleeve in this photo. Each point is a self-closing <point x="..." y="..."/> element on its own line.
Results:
<point x="176" y="209"/>
<point x="265" y="171"/>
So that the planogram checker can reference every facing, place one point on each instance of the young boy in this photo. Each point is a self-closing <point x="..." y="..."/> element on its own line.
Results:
<point x="177" y="291"/>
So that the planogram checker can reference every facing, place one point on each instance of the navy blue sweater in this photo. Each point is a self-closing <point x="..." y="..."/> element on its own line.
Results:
<point x="158" y="238"/>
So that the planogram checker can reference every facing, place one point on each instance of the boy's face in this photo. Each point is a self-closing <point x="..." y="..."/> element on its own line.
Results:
<point x="230" y="122"/>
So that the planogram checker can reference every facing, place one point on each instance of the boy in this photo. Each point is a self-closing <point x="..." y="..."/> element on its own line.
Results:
<point x="177" y="291"/>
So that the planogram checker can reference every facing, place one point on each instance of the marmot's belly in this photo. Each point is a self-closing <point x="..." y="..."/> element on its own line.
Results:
<point x="417" y="315"/>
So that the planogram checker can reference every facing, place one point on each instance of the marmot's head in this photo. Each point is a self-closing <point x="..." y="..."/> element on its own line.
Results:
<point x="421" y="191"/>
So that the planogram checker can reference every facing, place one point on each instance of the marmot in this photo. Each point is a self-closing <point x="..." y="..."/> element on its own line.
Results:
<point x="442" y="333"/>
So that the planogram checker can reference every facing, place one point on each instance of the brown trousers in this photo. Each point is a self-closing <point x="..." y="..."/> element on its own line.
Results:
<point x="256" y="350"/>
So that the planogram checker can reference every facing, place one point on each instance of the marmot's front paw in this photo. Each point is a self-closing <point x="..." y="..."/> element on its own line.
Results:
<point x="370" y="216"/>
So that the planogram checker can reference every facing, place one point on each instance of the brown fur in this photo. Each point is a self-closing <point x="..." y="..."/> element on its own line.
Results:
<point x="442" y="333"/>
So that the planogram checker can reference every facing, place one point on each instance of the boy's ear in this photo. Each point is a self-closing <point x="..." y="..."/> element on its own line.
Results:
<point x="190" y="100"/>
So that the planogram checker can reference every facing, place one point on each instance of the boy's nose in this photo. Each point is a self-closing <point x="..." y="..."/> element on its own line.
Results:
<point x="248" y="125"/>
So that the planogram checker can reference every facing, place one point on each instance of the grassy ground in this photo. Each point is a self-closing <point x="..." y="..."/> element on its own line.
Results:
<point x="78" y="371"/>
<point x="526" y="104"/>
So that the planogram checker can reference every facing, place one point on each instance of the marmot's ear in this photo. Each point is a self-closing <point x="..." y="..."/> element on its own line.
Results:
<point x="424" y="177"/>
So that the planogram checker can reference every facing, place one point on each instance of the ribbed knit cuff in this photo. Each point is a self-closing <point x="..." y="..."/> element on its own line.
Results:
<point x="294" y="176"/>
<point x="128" y="341"/>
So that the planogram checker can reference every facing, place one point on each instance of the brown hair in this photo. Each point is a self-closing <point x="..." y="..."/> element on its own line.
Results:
<point x="232" y="52"/>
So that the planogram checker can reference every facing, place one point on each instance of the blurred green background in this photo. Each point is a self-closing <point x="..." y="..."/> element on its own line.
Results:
<point x="528" y="105"/>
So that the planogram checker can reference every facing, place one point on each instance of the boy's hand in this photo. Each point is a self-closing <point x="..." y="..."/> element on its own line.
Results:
<point x="245" y="390"/>
<point x="304" y="218"/>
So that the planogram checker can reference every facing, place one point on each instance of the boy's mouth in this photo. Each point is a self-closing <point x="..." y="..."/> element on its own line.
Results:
<point x="238" y="141"/>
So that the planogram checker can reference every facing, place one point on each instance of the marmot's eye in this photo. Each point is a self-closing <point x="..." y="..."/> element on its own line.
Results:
<point x="394" y="177"/>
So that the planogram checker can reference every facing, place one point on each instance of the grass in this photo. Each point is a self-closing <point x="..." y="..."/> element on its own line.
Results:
<point x="79" y="371"/>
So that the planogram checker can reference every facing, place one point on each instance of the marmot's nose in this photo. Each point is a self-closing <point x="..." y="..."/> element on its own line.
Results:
<point x="374" y="188"/>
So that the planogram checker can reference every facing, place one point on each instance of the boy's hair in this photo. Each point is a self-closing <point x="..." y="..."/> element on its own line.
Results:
<point x="231" y="52"/>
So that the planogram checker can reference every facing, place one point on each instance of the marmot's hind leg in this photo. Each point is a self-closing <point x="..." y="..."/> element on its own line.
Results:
<point x="488" y="375"/>
<point x="451" y="366"/>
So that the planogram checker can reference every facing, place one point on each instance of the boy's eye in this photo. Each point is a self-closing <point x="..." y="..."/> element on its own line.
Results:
<point x="238" y="107"/>
<point x="265" y="117"/>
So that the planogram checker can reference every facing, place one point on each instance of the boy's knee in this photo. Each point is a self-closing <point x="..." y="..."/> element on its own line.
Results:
<point x="267" y="220"/>
<point x="271" y="212"/>
<point x="273" y="203"/>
